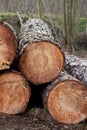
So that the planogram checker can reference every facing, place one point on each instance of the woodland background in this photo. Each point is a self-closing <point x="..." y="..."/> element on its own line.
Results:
<point x="67" y="18"/>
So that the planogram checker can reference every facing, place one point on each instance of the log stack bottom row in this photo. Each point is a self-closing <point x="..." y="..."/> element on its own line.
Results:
<point x="40" y="60"/>
<point x="66" y="99"/>
<point x="67" y="102"/>
<point x="14" y="93"/>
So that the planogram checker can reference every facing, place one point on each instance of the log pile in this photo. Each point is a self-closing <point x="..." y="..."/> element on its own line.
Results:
<point x="41" y="62"/>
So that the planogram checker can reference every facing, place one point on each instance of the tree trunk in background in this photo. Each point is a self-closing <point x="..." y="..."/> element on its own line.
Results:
<point x="68" y="47"/>
<point x="71" y="28"/>
<point x="69" y="24"/>
<point x="65" y="23"/>
<point x="66" y="99"/>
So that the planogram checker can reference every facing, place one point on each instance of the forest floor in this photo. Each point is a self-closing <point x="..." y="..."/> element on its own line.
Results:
<point x="36" y="119"/>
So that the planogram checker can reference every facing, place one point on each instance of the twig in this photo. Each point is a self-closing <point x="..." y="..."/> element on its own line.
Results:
<point x="20" y="19"/>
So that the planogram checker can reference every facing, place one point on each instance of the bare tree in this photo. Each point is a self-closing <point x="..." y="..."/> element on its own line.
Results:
<point x="65" y="22"/>
<point x="69" y="23"/>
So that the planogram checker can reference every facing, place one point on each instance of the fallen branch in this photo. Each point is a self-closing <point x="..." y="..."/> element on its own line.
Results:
<point x="20" y="19"/>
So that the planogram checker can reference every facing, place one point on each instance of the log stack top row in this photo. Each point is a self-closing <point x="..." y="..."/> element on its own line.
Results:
<point x="40" y="61"/>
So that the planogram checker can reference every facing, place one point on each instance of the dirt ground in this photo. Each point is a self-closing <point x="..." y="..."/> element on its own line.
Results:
<point x="36" y="119"/>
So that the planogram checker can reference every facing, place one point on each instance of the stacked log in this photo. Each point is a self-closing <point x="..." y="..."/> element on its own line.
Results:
<point x="14" y="93"/>
<point x="14" y="89"/>
<point x="40" y="60"/>
<point x="76" y="67"/>
<point x="66" y="99"/>
<point x="8" y="46"/>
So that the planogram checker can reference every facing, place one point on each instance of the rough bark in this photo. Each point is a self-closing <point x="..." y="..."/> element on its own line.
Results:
<point x="34" y="30"/>
<point x="76" y="67"/>
<point x="42" y="60"/>
<point x="66" y="99"/>
<point x="14" y="93"/>
<point x="8" y="45"/>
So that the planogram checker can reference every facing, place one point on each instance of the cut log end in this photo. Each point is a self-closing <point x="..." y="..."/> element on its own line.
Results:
<point x="41" y="62"/>
<point x="67" y="102"/>
<point x="8" y="46"/>
<point x="14" y="93"/>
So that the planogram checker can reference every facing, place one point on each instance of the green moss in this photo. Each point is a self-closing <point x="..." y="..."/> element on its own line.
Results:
<point x="53" y="20"/>
<point x="13" y="19"/>
<point x="6" y="16"/>
<point x="82" y="24"/>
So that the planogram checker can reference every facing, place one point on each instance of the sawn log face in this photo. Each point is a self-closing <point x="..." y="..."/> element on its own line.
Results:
<point x="41" y="62"/>
<point x="14" y="93"/>
<point x="41" y="59"/>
